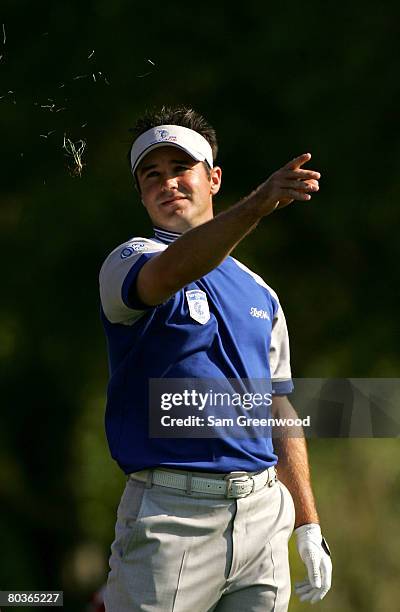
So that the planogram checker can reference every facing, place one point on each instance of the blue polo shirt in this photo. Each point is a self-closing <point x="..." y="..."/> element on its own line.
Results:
<point x="227" y="325"/>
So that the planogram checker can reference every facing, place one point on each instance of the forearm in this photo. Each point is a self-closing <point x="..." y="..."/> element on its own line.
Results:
<point x="293" y="466"/>
<point x="203" y="248"/>
<point x="293" y="471"/>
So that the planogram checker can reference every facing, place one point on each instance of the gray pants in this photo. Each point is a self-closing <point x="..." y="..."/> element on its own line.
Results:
<point x="175" y="552"/>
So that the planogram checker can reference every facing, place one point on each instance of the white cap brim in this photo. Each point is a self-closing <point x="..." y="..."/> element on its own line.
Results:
<point x="183" y="138"/>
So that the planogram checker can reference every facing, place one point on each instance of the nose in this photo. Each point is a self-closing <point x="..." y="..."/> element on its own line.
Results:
<point x="169" y="182"/>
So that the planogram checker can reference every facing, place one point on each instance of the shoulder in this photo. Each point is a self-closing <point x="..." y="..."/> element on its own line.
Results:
<point x="257" y="278"/>
<point x="131" y="249"/>
<point x="117" y="274"/>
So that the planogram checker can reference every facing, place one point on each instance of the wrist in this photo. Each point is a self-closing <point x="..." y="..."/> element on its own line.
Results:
<point x="311" y="533"/>
<point x="308" y="529"/>
<point x="258" y="205"/>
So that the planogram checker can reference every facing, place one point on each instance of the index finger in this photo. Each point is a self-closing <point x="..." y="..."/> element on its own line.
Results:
<point x="298" y="161"/>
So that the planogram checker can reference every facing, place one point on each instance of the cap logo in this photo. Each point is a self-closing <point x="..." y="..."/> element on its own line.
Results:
<point x="164" y="135"/>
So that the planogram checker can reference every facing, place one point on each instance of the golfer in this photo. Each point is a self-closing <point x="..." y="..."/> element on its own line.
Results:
<point x="204" y="521"/>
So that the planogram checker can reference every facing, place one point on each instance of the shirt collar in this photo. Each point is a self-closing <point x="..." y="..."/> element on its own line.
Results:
<point x="165" y="235"/>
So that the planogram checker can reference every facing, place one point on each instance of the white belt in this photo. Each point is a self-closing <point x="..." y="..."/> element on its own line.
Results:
<point x="232" y="485"/>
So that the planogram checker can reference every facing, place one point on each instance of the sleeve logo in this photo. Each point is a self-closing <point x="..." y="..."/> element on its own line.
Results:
<point x="135" y="247"/>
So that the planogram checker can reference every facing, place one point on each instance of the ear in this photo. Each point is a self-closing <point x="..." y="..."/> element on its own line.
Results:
<point x="216" y="177"/>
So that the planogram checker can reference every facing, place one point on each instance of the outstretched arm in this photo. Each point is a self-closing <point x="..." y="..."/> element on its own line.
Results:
<point x="205" y="247"/>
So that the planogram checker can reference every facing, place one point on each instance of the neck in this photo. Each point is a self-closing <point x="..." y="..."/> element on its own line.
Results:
<point x="182" y="225"/>
<point x="165" y="235"/>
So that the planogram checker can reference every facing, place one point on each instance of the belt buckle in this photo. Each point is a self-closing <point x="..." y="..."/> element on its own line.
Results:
<point x="233" y="480"/>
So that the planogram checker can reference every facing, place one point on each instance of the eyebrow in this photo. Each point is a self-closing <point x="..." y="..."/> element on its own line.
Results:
<point x="144" y="169"/>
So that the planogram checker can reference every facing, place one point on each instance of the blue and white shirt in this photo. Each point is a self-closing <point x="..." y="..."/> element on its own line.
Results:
<point x="227" y="325"/>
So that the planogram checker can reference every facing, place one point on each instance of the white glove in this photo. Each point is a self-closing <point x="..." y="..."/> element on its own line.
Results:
<point x="316" y="556"/>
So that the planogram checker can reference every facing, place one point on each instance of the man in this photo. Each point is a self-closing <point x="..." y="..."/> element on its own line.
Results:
<point x="203" y="524"/>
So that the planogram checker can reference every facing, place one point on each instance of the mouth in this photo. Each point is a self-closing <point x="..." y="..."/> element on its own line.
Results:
<point x="174" y="200"/>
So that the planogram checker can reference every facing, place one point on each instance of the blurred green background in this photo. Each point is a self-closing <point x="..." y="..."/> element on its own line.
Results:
<point x="275" y="80"/>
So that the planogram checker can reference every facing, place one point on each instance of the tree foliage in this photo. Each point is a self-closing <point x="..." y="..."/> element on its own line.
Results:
<point x="275" y="80"/>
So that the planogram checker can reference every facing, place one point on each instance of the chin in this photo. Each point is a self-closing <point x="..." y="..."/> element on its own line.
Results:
<point x="174" y="223"/>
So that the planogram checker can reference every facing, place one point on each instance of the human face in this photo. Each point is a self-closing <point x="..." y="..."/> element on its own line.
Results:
<point x="175" y="189"/>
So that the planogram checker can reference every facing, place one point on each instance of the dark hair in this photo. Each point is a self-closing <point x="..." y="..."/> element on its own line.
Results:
<point x="177" y="115"/>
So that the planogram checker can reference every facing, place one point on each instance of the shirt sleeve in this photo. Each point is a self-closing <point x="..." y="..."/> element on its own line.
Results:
<point x="279" y="355"/>
<point x="117" y="275"/>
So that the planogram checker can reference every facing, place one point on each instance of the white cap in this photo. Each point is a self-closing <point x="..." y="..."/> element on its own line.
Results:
<point x="174" y="135"/>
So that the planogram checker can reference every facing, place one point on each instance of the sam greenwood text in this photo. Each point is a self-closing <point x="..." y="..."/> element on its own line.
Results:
<point x="241" y="421"/>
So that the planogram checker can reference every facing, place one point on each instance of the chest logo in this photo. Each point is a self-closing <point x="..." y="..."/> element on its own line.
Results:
<point x="259" y="313"/>
<point x="198" y="305"/>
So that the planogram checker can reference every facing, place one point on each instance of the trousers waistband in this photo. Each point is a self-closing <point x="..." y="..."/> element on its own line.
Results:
<point x="233" y="485"/>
